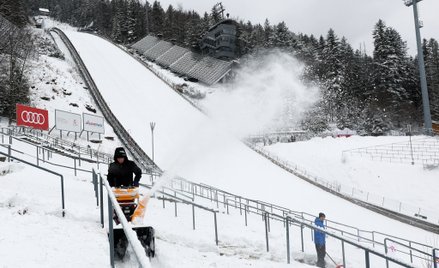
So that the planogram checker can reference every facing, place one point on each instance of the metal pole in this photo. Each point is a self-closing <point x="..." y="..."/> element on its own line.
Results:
<point x="421" y="64"/>
<point x="342" y="250"/>
<point x="110" y="230"/>
<point x="301" y="236"/>
<point x="38" y="159"/>
<point x="193" y="217"/>
<point x="74" y="165"/>
<point x="288" y="239"/>
<point x="266" y="232"/>
<point x="216" y="228"/>
<point x="435" y="258"/>
<point x="411" y="147"/>
<point x="367" y="259"/>
<point x="386" y="250"/>
<point x="175" y="204"/>
<point x="101" y="199"/>
<point x="245" y="212"/>
<point x="152" y="125"/>
<point x="62" y="196"/>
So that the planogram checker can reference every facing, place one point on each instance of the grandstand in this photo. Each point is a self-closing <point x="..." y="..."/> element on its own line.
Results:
<point x="185" y="63"/>
<point x="171" y="56"/>
<point x="182" y="61"/>
<point x="210" y="70"/>
<point x="145" y="43"/>
<point x="156" y="51"/>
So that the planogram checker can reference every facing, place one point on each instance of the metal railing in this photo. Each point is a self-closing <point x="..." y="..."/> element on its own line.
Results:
<point x="400" y="211"/>
<point x="44" y="154"/>
<point x="55" y="143"/>
<point x="130" y="234"/>
<point x="44" y="169"/>
<point x="258" y="207"/>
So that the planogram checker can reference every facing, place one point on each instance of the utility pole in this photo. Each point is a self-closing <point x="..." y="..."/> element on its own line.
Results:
<point x="425" y="99"/>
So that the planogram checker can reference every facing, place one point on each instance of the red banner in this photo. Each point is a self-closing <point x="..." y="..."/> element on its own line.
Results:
<point x="32" y="117"/>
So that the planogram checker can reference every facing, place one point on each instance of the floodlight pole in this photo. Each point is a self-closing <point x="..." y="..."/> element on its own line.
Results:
<point x="425" y="99"/>
<point x="152" y="125"/>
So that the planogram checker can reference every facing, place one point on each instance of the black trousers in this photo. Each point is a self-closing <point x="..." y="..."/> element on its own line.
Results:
<point x="321" y="253"/>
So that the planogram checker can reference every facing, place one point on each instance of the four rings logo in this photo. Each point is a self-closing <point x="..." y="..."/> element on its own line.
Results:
<point x="33" y="118"/>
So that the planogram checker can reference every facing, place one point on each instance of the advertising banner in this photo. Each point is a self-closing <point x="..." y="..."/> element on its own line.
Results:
<point x="67" y="121"/>
<point x="32" y="117"/>
<point x="93" y="123"/>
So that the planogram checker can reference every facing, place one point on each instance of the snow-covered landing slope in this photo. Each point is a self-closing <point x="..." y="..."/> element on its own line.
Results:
<point x="189" y="144"/>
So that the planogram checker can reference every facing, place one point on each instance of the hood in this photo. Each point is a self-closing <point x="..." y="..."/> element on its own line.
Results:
<point x="120" y="152"/>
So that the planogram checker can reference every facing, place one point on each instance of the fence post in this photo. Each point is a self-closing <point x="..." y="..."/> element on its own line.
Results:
<point x="74" y="166"/>
<point x="216" y="228"/>
<point x="266" y="231"/>
<point x="175" y="204"/>
<point x="38" y="159"/>
<point x="101" y="199"/>
<point x="193" y="217"/>
<point x="9" y="153"/>
<point x="301" y="237"/>
<point x="288" y="238"/>
<point x="245" y="213"/>
<point x="386" y="250"/>
<point x="110" y="230"/>
<point x="342" y="250"/>
<point x="435" y="258"/>
<point x="367" y="259"/>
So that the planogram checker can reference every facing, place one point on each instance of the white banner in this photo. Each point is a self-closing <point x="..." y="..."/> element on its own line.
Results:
<point x="93" y="123"/>
<point x="67" y="121"/>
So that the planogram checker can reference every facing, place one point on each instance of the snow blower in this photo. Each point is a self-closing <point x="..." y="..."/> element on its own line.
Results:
<point x="134" y="211"/>
<point x="336" y="265"/>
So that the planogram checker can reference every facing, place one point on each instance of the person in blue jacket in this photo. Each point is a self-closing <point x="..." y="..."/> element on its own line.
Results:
<point x="319" y="240"/>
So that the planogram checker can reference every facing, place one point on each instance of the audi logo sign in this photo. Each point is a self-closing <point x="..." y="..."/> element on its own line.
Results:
<point x="32" y="117"/>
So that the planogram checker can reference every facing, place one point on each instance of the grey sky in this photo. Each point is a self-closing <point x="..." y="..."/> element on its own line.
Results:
<point x="353" y="19"/>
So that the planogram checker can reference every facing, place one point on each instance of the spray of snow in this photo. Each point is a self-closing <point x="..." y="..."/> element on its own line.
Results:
<point x="267" y="95"/>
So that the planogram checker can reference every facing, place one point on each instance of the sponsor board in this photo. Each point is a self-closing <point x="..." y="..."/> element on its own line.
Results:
<point x="93" y="123"/>
<point x="67" y="121"/>
<point x="32" y="117"/>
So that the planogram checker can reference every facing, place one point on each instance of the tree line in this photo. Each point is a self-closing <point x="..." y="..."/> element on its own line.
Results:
<point x="370" y="93"/>
<point x="16" y="47"/>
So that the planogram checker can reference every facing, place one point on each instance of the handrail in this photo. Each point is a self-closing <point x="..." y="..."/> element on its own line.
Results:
<point x="75" y="168"/>
<point x="352" y="243"/>
<point x="127" y="228"/>
<point x="228" y="195"/>
<point x="56" y="142"/>
<point x="401" y="244"/>
<point x="46" y="170"/>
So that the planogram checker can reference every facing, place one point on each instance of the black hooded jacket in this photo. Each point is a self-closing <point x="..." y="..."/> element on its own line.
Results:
<point x="122" y="174"/>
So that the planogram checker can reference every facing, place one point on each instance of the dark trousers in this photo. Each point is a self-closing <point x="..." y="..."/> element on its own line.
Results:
<point x="321" y="253"/>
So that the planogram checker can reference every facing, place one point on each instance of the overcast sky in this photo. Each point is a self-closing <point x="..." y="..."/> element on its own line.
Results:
<point x="353" y="19"/>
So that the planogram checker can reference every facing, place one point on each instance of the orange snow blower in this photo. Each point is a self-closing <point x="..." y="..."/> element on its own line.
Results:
<point x="134" y="211"/>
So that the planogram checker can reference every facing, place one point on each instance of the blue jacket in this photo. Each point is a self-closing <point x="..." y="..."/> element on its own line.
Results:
<point x="319" y="237"/>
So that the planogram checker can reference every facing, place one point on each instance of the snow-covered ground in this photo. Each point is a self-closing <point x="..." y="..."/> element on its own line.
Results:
<point x="191" y="145"/>
<point x="389" y="184"/>
<point x="187" y="143"/>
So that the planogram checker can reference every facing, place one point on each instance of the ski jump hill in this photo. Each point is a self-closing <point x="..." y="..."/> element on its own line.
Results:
<point x="189" y="144"/>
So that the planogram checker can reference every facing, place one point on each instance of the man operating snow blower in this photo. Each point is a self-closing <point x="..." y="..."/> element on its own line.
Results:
<point x="126" y="191"/>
